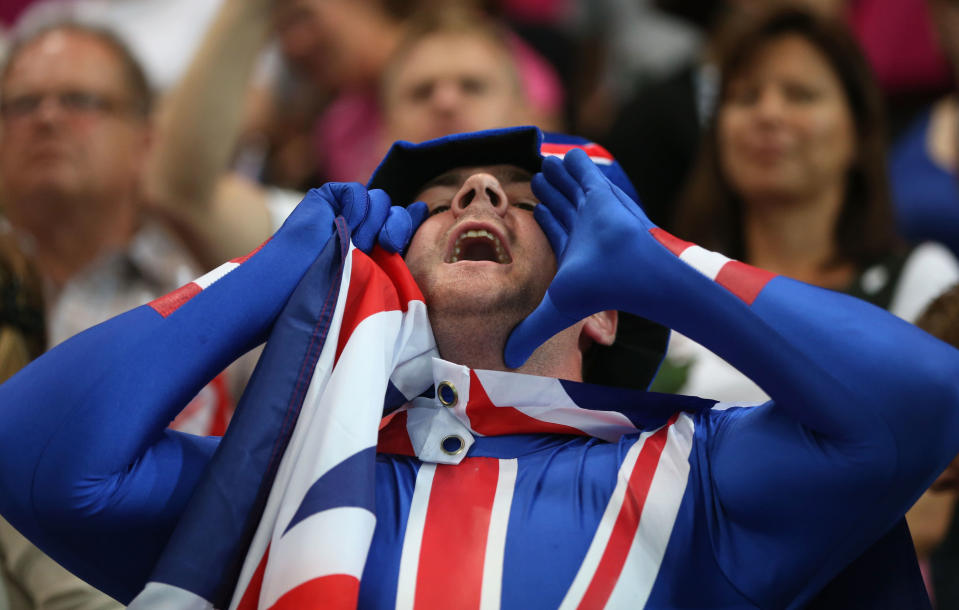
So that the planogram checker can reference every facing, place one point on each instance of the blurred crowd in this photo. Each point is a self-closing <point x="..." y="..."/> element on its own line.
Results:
<point x="143" y="142"/>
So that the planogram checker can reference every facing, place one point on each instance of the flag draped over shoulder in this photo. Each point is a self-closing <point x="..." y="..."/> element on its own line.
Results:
<point x="284" y="515"/>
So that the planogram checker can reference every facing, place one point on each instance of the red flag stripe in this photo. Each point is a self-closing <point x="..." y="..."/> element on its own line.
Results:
<point x="744" y="281"/>
<point x="491" y="420"/>
<point x="394" y="438"/>
<point x="456" y="533"/>
<point x="382" y="283"/>
<point x="396" y="269"/>
<point x="172" y="301"/>
<point x="627" y="521"/>
<point x="670" y="241"/>
<point x="595" y="151"/>
<point x="333" y="592"/>
<point x="251" y="596"/>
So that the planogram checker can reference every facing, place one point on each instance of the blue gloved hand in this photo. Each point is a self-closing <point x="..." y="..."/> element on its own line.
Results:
<point x="401" y="223"/>
<point x="598" y="234"/>
<point x="370" y="216"/>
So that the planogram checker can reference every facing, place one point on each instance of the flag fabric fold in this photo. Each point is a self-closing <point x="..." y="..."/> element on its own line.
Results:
<point x="293" y="477"/>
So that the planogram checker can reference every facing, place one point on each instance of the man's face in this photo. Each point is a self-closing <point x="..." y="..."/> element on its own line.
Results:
<point x="451" y="83"/>
<point x="481" y="251"/>
<point x="68" y="126"/>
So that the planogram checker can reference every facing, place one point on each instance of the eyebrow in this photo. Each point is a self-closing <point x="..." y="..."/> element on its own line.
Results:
<point x="508" y="175"/>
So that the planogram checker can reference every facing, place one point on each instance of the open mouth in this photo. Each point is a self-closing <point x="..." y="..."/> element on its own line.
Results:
<point x="479" y="245"/>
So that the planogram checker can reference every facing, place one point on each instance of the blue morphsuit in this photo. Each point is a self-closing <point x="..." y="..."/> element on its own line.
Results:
<point x="782" y="496"/>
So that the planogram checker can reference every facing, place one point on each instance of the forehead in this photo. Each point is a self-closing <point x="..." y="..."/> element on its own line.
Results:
<point x="507" y="175"/>
<point x="452" y="53"/>
<point x="65" y="58"/>
<point x="789" y="54"/>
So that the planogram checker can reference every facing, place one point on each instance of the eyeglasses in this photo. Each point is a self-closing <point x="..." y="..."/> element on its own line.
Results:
<point x="72" y="102"/>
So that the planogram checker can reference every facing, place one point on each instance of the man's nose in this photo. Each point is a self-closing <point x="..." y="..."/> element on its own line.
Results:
<point x="480" y="192"/>
<point x="445" y="95"/>
<point x="48" y="111"/>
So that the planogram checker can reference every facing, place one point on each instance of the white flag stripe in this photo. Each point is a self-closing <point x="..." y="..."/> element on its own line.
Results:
<point x="600" y="539"/>
<point x="656" y="522"/>
<point x="368" y="356"/>
<point x="501" y="389"/>
<point x="705" y="261"/>
<point x="417" y="349"/>
<point x="205" y="280"/>
<point x="496" y="539"/>
<point x="606" y="425"/>
<point x="296" y="558"/>
<point x="413" y="539"/>
<point x="161" y="596"/>
<point x="722" y="406"/>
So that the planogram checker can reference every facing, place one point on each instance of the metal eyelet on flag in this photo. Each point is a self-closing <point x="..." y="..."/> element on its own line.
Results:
<point x="446" y="392"/>
<point x="453" y="445"/>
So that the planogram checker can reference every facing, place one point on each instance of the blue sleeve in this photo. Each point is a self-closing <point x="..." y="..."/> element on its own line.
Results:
<point x="865" y="409"/>
<point x="89" y="471"/>
<point x="865" y="413"/>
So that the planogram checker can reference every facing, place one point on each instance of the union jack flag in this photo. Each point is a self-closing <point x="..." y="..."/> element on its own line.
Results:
<point x="294" y="476"/>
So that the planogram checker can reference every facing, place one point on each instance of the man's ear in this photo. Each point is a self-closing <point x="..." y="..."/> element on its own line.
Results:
<point x="600" y="328"/>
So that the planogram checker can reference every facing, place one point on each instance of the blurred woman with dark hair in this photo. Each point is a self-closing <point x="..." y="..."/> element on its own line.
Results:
<point x="792" y="178"/>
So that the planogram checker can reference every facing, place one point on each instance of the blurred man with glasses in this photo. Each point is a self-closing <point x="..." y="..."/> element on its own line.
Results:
<point x="75" y="136"/>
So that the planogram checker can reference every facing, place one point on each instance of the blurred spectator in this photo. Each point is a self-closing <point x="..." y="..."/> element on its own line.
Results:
<point x="341" y="47"/>
<point x="445" y="43"/>
<point x="791" y="178"/>
<point x="624" y="45"/>
<point x="924" y="160"/>
<point x="29" y="580"/>
<point x="74" y="114"/>
<point x="656" y="134"/>
<point x="455" y="71"/>
<point x="929" y="519"/>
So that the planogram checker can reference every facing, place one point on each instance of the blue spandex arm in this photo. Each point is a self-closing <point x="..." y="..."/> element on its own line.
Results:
<point x="89" y="471"/>
<point x="866" y="406"/>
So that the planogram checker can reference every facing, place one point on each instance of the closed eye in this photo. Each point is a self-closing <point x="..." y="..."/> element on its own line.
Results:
<point x="438" y="209"/>
<point x="529" y="207"/>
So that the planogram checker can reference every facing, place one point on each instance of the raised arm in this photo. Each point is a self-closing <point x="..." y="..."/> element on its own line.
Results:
<point x="88" y="471"/>
<point x="866" y="406"/>
<point x="197" y="134"/>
